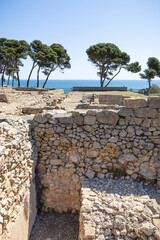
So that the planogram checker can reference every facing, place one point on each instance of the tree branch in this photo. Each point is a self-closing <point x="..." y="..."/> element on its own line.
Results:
<point x="114" y="76"/>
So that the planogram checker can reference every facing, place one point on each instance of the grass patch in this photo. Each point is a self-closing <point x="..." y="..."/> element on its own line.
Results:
<point x="119" y="172"/>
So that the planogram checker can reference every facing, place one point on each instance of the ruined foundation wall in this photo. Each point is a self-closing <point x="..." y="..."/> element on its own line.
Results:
<point x="17" y="184"/>
<point x="95" y="144"/>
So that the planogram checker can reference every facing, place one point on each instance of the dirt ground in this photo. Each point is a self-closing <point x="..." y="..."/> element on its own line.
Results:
<point x="55" y="226"/>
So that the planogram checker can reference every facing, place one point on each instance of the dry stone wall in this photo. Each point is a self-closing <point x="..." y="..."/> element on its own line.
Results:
<point x="17" y="186"/>
<point x="95" y="144"/>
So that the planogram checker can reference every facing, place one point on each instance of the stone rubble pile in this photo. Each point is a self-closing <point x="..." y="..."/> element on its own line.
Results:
<point x="118" y="209"/>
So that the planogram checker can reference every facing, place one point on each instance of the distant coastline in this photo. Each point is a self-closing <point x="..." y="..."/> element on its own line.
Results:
<point x="67" y="85"/>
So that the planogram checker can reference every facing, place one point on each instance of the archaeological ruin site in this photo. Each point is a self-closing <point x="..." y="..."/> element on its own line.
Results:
<point x="90" y="158"/>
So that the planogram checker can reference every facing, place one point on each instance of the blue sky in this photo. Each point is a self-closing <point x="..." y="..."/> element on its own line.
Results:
<point x="133" y="25"/>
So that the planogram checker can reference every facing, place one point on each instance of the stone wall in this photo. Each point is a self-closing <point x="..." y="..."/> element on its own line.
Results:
<point x="112" y="99"/>
<point x="95" y="144"/>
<point x="17" y="188"/>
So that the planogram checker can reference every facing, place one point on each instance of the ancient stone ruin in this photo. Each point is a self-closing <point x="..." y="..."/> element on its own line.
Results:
<point x="102" y="164"/>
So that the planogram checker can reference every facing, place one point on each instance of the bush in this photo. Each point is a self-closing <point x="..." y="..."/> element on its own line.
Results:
<point x="154" y="89"/>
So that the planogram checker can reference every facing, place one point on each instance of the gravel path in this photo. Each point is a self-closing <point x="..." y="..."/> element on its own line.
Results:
<point x="55" y="226"/>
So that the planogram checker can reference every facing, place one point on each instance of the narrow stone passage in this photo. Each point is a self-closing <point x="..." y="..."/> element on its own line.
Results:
<point x="55" y="226"/>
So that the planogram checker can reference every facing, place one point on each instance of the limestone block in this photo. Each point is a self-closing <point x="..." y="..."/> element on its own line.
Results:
<point x="108" y="117"/>
<point x="127" y="157"/>
<point x="124" y="112"/>
<point x="92" y="153"/>
<point x="146" y="112"/>
<point x="154" y="102"/>
<point x="148" y="171"/>
<point x="89" y="231"/>
<point x="78" y="120"/>
<point x="156" y="123"/>
<point x="40" y="118"/>
<point x="135" y="102"/>
<point x="90" y="120"/>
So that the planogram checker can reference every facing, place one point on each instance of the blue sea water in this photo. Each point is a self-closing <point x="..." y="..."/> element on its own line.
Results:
<point x="67" y="85"/>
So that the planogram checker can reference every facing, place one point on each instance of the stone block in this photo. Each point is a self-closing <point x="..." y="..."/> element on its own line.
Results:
<point x="148" y="171"/>
<point x="107" y="117"/>
<point x="125" y="112"/>
<point x="127" y="157"/>
<point x="135" y="102"/>
<point x="156" y="123"/>
<point x="154" y="102"/>
<point x="146" y="112"/>
<point x="90" y="120"/>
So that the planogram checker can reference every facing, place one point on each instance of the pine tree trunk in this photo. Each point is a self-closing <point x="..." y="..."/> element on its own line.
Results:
<point x="8" y="79"/>
<point x="13" y="80"/>
<point x="38" y="76"/>
<point x="33" y="66"/>
<point x="2" y="77"/>
<point x="18" y="79"/>
<point x="149" y="81"/>
<point x="46" y="79"/>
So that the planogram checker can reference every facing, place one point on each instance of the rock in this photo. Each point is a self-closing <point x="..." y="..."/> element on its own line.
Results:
<point x="92" y="153"/>
<point x="89" y="231"/>
<point x="3" y="98"/>
<point x="154" y="102"/>
<point x="107" y="117"/>
<point x="66" y="118"/>
<point x="127" y="157"/>
<point x="90" y="174"/>
<point x="135" y="102"/>
<point x="146" y="112"/>
<point x="90" y="120"/>
<point x="31" y="110"/>
<point x="119" y="222"/>
<point x="148" y="171"/>
<point x="124" y="112"/>
<point x="87" y="98"/>
<point x="156" y="123"/>
<point x="40" y="118"/>
<point x="147" y="228"/>
<point x="78" y="120"/>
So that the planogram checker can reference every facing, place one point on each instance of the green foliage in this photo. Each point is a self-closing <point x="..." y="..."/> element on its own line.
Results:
<point x="154" y="89"/>
<point x="152" y="71"/>
<point x="108" y="58"/>
<point x="119" y="172"/>
<point x="61" y="61"/>
<point x="11" y="54"/>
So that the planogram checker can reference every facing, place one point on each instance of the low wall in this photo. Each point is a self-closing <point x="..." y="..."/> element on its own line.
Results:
<point x="95" y="144"/>
<point x="17" y="188"/>
<point x="92" y="89"/>
<point x="112" y="99"/>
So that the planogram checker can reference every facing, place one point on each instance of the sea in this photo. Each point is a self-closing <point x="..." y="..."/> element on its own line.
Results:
<point x="67" y="85"/>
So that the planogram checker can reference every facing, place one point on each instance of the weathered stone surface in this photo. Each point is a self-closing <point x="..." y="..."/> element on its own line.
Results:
<point x="40" y="118"/>
<point x="3" y="98"/>
<point x="146" y="112"/>
<point x="79" y="120"/>
<point x="92" y="153"/>
<point x="154" y="102"/>
<point x="125" y="112"/>
<point x="156" y="123"/>
<point x="107" y="117"/>
<point x="148" y="171"/>
<point x="135" y="102"/>
<point x="127" y="214"/>
<point x="90" y="120"/>
<point x="125" y="158"/>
